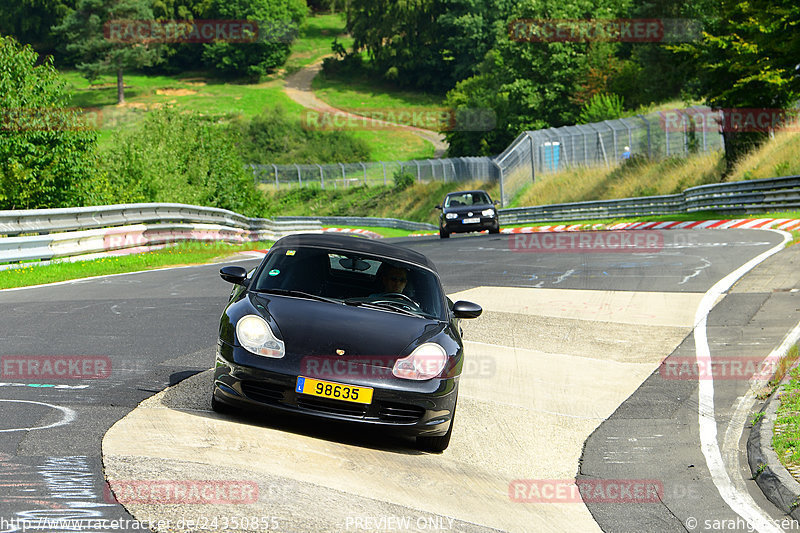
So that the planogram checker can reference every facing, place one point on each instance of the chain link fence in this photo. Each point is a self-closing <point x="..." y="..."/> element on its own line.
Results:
<point x="658" y="135"/>
<point x="533" y="153"/>
<point x="343" y="175"/>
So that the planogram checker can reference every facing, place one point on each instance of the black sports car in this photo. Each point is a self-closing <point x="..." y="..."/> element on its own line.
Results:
<point x="344" y="328"/>
<point x="467" y="211"/>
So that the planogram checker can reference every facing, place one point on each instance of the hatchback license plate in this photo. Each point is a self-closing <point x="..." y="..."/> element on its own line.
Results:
<point x="470" y="221"/>
<point x="335" y="391"/>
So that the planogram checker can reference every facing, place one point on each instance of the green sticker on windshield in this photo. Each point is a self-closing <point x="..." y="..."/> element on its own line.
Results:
<point x="274" y="272"/>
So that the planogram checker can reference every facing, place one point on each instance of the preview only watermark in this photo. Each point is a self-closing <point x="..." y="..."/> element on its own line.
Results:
<point x="604" y="30"/>
<point x="586" y="491"/>
<point x="54" y="367"/>
<point x="198" y="31"/>
<point x="386" y="119"/>
<point x="588" y="242"/>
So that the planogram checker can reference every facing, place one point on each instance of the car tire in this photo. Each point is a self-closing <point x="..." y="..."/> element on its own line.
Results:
<point x="495" y="230"/>
<point x="221" y="408"/>
<point x="437" y="444"/>
<point x="443" y="234"/>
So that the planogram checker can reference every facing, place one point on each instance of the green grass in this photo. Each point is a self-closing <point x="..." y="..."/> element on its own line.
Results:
<point x="181" y="254"/>
<point x="786" y="437"/>
<point x="201" y="93"/>
<point x="316" y="38"/>
<point x="416" y="202"/>
<point x="384" y="232"/>
<point x="361" y="95"/>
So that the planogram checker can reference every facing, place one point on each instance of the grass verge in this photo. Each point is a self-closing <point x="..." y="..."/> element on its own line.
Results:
<point x="786" y="437"/>
<point x="192" y="253"/>
<point x="640" y="177"/>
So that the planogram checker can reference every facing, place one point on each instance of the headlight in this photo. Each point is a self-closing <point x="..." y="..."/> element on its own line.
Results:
<point x="256" y="336"/>
<point x="426" y="362"/>
<point x="451" y="215"/>
<point x="488" y="212"/>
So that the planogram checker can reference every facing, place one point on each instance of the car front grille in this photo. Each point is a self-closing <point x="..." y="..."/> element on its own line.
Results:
<point x="263" y="392"/>
<point x="400" y="413"/>
<point x="332" y="406"/>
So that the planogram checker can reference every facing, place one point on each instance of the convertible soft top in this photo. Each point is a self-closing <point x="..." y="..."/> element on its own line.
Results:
<point x="347" y="243"/>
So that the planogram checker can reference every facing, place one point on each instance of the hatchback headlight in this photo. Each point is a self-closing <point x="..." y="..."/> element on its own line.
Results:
<point x="451" y="216"/>
<point x="488" y="212"/>
<point x="425" y="362"/>
<point x="256" y="336"/>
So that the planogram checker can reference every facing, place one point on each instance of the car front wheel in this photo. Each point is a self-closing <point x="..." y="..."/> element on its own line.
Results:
<point x="443" y="234"/>
<point x="437" y="444"/>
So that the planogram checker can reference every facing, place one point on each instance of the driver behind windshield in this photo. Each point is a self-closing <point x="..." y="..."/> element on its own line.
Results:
<point x="392" y="279"/>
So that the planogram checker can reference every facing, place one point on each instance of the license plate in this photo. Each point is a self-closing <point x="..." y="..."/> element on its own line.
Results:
<point x="334" y="391"/>
<point x="470" y="221"/>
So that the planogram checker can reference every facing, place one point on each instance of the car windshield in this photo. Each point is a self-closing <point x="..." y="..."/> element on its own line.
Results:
<point x="467" y="198"/>
<point x="353" y="279"/>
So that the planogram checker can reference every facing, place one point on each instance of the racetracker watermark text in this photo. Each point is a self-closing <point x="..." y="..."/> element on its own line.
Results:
<point x="54" y="367"/>
<point x="197" y="31"/>
<point x="588" y="242"/>
<point x="586" y="490"/>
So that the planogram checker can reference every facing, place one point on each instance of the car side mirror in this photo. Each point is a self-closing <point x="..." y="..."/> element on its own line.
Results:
<point x="462" y="309"/>
<point x="234" y="274"/>
<point x="439" y="207"/>
<point x="496" y="202"/>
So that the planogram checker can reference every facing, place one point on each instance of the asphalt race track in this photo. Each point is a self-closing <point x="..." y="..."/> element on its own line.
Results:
<point x="566" y="382"/>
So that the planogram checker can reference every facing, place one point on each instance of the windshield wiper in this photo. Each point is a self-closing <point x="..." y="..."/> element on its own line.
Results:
<point x="298" y="294"/>
<point x="382" y="305"/>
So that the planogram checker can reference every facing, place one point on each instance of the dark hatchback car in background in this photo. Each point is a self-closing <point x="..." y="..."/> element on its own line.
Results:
<point x="467" y="211"/>
<point x="343" y="328"/>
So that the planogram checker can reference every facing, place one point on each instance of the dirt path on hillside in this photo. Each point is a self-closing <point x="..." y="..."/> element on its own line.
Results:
<point x="298" y="88"/>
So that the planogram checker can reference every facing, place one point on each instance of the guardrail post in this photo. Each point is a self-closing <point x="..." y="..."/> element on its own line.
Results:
<point x="649" y="143"/>
<point x="277" y="183"/>
<point x="501" y="178"/>
<point x="533" y="156"/>
<point x="365" y="172"/>
<point x="344" y="180"/>
<point x="419" y="174"/>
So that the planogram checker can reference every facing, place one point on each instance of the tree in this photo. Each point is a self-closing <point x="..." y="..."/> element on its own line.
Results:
<point x="746" y="60"/>
<point x="85" y="32"/>
<point x="530" y="85"/>
<point x="278" y="22"/>
<point x="30" y="21"/>
<point x="47" y="153"/>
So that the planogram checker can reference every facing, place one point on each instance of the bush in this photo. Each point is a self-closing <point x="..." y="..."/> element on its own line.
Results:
<point x="274" y="137"/>
<point x="47" y="152"/>
<point x="601" y="107"/>
<point x="402" y="180"/>
<point x="184" y="158"/>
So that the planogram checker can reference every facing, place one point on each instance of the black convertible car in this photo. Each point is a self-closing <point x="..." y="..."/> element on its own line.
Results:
<point x="467" y="211"/>
<point x="343" y="328"/>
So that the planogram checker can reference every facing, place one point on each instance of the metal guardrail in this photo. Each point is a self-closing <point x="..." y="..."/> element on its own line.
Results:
<point x="395" y="223"/>
<point x="770" y="194"/>
<point x="45" y="234"/>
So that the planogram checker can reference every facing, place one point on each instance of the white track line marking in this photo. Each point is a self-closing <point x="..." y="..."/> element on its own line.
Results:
<point x="740" y="502"/>
<point x="68" y="416"/>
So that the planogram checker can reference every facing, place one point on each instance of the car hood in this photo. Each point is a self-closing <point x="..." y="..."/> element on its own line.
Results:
<point x="477" y="208"/>
<point x="314" y="328"/>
